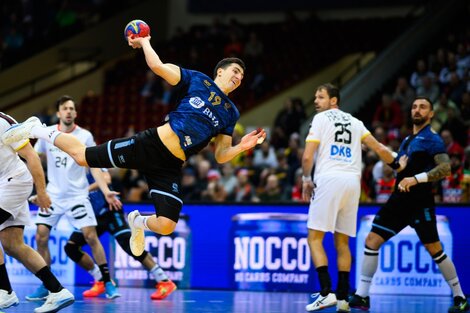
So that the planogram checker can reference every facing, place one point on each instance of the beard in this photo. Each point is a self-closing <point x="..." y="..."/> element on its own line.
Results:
<point x="418" y="120"/>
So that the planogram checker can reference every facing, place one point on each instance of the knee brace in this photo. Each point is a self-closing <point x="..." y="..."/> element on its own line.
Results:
<point x="123" y="241"/>
<point x="73" y="251"/>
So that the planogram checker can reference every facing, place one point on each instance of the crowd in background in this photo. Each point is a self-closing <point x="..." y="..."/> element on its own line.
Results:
<point x="271" y="172"/>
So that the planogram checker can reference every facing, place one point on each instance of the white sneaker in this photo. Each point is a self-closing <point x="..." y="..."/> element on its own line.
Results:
<point x="56" y="301"/>
<point x="137" y="240"/>
<point x="321" y="302"/>
<point x="8" y="300"/>
<point x="20" y="131"/>
<point x="342" y="306"/>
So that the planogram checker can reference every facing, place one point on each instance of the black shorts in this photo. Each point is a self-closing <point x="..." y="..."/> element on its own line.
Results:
<point x="145" y="152"/>
<point x="396" y="214"/>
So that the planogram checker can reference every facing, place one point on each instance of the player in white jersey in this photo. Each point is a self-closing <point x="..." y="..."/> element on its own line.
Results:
<point x="16" y="184"/>
<point x="333" y="144"/>
<point x="68" y="189"/>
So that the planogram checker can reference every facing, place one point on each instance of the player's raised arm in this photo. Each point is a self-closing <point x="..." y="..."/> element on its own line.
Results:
<point x="169" y="72"/>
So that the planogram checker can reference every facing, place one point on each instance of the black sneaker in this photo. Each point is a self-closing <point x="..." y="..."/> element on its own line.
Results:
<point x="460" y="305"/>
<point x="359" y="302"/>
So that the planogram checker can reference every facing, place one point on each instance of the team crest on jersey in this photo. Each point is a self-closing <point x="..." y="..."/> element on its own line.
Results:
<point x="196" y="102"/>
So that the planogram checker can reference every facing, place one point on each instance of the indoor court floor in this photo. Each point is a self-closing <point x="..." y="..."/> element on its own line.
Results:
<point x="137" y="300"/>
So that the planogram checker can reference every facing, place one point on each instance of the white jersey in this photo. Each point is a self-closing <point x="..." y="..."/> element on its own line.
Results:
<point x="339" y="135"/>
<point x="11" y="163"/>
<point x="66" y="178"/>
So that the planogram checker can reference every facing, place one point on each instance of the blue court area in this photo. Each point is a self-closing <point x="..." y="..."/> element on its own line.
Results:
<point x="137" y="300"/>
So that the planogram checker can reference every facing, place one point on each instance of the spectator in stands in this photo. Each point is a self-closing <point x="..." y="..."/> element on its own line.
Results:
<point x="428" y="88"/>
<point x="465" y="109"/>
<point x="188" y="184"/>
<point x="445" y="73"/>
<point x="244" y="191"/>
<point x="383" y="186"/>
<point x="272" y="191"/>
<point x="416" y="79"/>
<point x="452" y="146"/>
<point x="451" y="187"/>
<point x="388" y="113"/>
<point x="215" y="191"/>
<point x="265" y="156"/>
<point x="228" y="179"/>
<point x="441" y="111"/>
<point x="404" y="94"/>
<point x="456" y="126"/>
<point x="455" y="88"/>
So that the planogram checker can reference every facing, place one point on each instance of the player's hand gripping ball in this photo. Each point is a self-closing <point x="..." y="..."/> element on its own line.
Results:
<point x="136" y="28"/>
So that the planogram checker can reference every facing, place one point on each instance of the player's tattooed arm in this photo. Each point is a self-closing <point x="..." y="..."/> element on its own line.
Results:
<point x="442" y="168"/>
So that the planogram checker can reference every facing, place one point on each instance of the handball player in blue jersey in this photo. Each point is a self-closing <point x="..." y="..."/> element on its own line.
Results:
<point x="204" y="112"/>
<point x="412" y="203"/>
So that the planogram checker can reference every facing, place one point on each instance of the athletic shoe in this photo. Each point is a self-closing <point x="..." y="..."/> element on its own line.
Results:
<point x="111" y="290"/>
<point x="39" y="294"/>
<point x="97" y="289"/>
<point x="321" y="302"/>
<point x="56" y="301"/>
<point x="460" y="305"/>
<point x="164" y="288"/>
<point x="20" y="131"/>
<point x="359" y="302"/>
<point x="137" y="241"/>
<point x="8" y="300"/>
<point x="342" y="306"/>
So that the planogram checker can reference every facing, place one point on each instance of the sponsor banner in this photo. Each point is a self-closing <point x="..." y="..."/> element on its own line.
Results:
<point x="62" y="267"/>
<point x="172" y="253"/>
<point x="270" y="252"/>
<point x="405" y="266"/>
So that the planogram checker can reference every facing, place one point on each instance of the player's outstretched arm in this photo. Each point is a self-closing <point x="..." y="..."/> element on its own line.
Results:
<point x="169" y="72"/>
<point x="382" y="151"/>
<point x="111" y="196"/>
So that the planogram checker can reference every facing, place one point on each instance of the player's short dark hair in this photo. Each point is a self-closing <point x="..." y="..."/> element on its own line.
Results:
<point x="426" y="99"/>
<point x="62" y="100"/>
<point x="224" y="63"/>
<point x="331" y="90"/>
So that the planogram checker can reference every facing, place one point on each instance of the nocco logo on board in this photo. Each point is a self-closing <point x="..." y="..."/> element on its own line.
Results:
<point x="271" y="259"/>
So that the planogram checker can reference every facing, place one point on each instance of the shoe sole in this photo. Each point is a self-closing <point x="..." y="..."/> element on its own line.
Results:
<point x="9" y="138"/>
<point x="35" y="299"/>
<point x="321" y="307"/>
<point x="114" y="296"/>
<point x="10" y="305"/>
<point x="137" y="240"/>
<point x="60" y="307"/>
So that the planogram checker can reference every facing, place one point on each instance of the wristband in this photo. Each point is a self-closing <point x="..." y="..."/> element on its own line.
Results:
<point x="422" y="177"/>
<point x="394" y="165"/>
<point x="306" y="179"/>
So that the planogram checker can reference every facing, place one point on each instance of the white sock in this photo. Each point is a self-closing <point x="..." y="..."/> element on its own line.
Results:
<point x="447" y="268"/>
<point x="96" y="273"/>
<point x="369" y="267"/>
<point x="158" y="273"/>
<point x="141" y="222"/>
<point x="45" y="133"/>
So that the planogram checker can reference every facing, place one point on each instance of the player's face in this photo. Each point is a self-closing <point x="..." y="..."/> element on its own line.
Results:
<point x="231" y="76"/>
<point x="323" y="101"/>
<point x="421" y="112"/>
<point x="67" y="113"/>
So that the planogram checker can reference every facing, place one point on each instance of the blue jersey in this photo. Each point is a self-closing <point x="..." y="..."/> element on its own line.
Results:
<point x="420" y="149"/>
<point x="97" y="199"/>
<point x="203" y="112"/>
